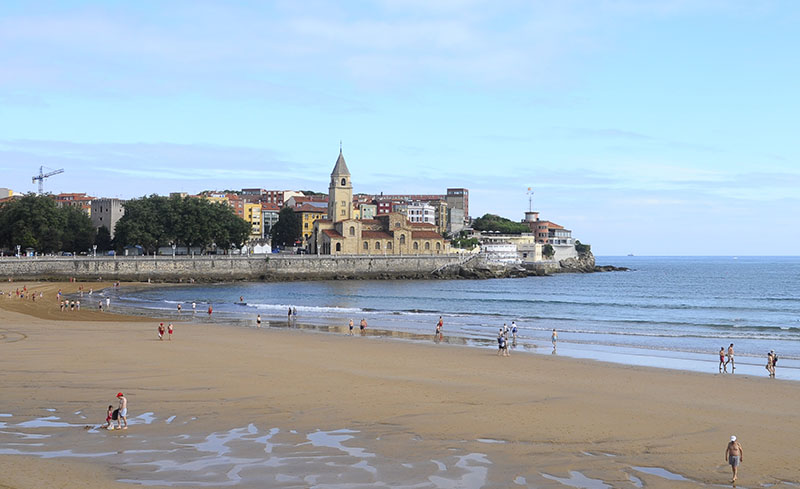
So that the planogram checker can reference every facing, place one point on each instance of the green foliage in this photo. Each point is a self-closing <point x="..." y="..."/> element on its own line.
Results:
<point x="309" y="193"/>
<point x="466" y="243"/>
<point x="288" y="229"/>
<point x="492" y="222"/>
<point x="548" y="251"/>
<point x="157" y="221"/>
<point x="103" y="239"/>
<point x="582" y="248"/>
<point x="35" y="221"/>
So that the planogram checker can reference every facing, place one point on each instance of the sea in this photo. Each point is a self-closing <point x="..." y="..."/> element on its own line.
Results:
<point x="667" y="312"/>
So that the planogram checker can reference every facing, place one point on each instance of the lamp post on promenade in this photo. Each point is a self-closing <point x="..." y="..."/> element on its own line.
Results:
<point x="94" y="251"/>
<point x="18" y="254"/>
<point x="174" y="245"/>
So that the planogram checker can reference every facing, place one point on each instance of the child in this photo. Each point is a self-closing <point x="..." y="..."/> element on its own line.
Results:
<point x="161" y="331"/>
<point x="169" y="330"/>
<point x="109" y="415"/>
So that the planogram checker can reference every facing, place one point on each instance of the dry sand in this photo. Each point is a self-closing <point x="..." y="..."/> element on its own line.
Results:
<point x="410" y="403"/>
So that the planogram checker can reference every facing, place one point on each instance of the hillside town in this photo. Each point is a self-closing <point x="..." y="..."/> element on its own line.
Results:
<point x="344" y="222"/>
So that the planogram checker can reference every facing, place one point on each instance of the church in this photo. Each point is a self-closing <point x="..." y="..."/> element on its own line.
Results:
<point x="386" y="234"/>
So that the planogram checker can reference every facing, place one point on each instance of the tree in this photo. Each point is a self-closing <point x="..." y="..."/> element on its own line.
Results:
<point x="548" y="251"/>
<point x="492" y="222"/>
<point x="582" y="248"/>
<point x="288" y="229"/>
<point x="156" y="221"/>
<point x="35" y="221"/>
<point x="79" y="232"/>
<point x="103" y="239"/>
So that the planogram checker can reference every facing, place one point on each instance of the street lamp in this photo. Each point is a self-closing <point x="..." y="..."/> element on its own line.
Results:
<point x="18" y="255"/>
<point x="94" y="251"/>
<point x="174" y="245"/>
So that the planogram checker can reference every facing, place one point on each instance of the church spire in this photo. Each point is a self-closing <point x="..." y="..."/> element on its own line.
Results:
<point x="341" y="166"/>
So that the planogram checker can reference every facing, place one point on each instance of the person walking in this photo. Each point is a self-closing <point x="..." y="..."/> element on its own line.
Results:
<point x="722" y="360"/>
<point x="350" y="326"/>
<point x="734" y="455"/>
<point x="730" y="358"/>
<point x="258" y="321"/>
<point x="554" y="338"/>
<point x="169" y="331"/>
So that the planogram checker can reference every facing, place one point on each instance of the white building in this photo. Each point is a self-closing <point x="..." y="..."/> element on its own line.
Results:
<point x="421" y="212"/>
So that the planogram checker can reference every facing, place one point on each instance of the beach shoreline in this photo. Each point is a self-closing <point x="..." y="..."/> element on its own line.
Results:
<point x="451" y="413"/>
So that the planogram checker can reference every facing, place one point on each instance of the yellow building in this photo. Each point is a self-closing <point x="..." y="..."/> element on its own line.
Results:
<point x="388" y="234"/>
<point x="252" y="214"/>
<point x="309" y="214"/>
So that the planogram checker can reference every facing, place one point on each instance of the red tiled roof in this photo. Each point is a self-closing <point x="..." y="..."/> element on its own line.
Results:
<point x="270" y="207"/>
<point x="370" y="221"/>
<point x="422" y="225"/>
<point x="331" y="233"/>
<point x="376" y="235"/>
<point x="310" y="208"/>
<point x="425" y="235"/>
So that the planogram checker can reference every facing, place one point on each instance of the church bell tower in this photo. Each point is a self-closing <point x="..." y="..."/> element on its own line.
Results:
<point x="340" y="192"/>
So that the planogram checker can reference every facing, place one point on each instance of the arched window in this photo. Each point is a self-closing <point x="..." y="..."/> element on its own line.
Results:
<point x="427" y="246"/>
<point x="352" y="230"/>
<point x="366" y="245"/>
<point x="416" y="246"/>
<point x="389" y="245"/>
<point x="338" y="246"/>
<point x="377" y="245"/>
<point x="402" y="239"/>
<point x="438" y="246"/>
<point x="344" y="182"/>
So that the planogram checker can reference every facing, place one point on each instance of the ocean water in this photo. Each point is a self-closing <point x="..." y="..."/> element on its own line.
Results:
<point x="678" y="308"/>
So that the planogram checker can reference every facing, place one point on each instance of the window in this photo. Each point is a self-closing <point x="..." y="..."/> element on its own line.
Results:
<point x="416" y="245"/>
<point x="377" y="245"/>
<point x="344" y="181"/>
<point x="427" y="246"/>
<point x="366" y="245"/>
<point x="352" y="230"/>
<point x="389" y="245"/>
<point x="305" y="225"/>
<point x="344" y="204"/>
<point x="338" y="246"/>
<point x="438" y="246"/>
<point x="402" y="239"/>
<point x="343" y="212"/>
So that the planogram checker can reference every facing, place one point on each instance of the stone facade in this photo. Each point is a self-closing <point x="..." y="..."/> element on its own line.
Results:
<point x="106" y="212"/>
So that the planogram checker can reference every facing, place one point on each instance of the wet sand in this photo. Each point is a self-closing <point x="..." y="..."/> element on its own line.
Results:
<point x="267" y="408"/>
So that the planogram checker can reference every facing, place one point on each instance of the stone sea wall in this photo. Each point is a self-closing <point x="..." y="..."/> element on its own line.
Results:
<point x="211" y="268"/>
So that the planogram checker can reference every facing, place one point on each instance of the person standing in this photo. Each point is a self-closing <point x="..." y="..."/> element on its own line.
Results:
<point x="179" y="308"/>
<point x="123" y="412"/>
<point x="734" y="455"/>
<point x="554" y="338"/>
<point x="210" y="310"/>
<point x="514" y="331"/>
<point x="194" y="307"/>
<point x="169" y="331"/>
<point x="350" y="325"/>
<point x="161" y="331"/>
<point x="258" y="321"/>
<point x="722" y="360"/>
<point x="730" y="358"/>
<point x="363" y="326"/>
<point x="439" y="326"/>
<point x="772" y="359"/>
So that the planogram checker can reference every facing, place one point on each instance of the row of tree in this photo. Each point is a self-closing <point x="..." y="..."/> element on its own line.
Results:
<point x="492" y="222"/>
<point x="155" y="221"/>
<point x="37" y="222"/>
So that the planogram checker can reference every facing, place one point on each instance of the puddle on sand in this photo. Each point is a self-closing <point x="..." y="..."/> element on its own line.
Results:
<point x="520" y="481"/>
<point x="636" y="481"/>
<point x="576" y="479"/>
<point x="244" y="456"/>
<point x="663" y="473"/>
<point x="489" y="440"/>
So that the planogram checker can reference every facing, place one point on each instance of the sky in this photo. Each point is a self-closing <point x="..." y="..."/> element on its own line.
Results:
<point x="647" y="127"/>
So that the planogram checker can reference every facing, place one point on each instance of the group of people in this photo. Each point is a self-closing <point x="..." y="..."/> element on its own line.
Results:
<point x="168" y="331"/>
<point x="502" y="339"/>
<point x="362" y="326"/>
<point x="772" y="360"/>
<point x="120" y="415"/>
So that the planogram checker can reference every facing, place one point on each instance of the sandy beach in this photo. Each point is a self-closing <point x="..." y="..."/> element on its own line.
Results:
<point x="276" y="407"/>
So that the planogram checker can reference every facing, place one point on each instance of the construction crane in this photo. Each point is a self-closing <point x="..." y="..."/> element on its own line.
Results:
<point x="41" y="176"/>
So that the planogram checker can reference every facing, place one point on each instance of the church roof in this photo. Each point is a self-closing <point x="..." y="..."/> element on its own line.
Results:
<point x="375" y="235"/>
<point x="341" y="166"/>
<point x="331" y="233"/>
<point x="425" y="235"/>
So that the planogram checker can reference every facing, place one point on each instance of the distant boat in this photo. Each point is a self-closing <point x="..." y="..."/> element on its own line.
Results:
<point x="630" y="254"/>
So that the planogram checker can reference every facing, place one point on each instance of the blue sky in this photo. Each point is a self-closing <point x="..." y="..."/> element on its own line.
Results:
<point x="647" y="127"/>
